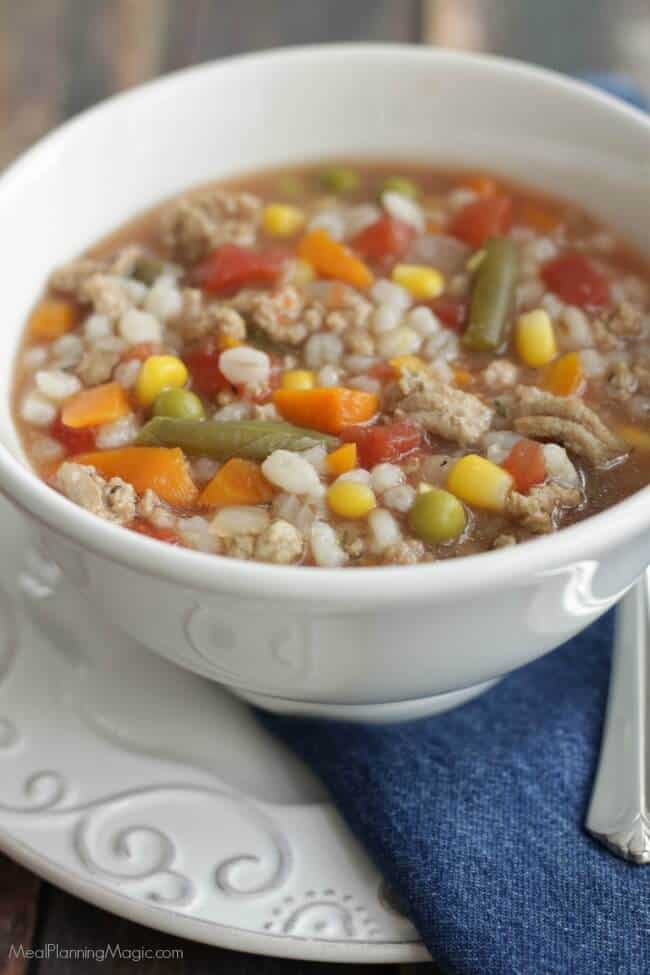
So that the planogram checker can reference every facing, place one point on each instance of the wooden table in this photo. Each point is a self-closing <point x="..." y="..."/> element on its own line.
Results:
<point x="59" y="56"/>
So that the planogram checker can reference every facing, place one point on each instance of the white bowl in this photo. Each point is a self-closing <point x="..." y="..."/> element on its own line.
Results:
<point x="376" y="643"/>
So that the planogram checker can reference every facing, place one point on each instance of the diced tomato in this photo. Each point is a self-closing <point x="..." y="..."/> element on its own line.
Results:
<point x="202" y="362"/>
<point x="489" y="216"/>
<point x="383" y="371"/>
<point x="574" y="279"/>
<point x="385" y="238"/>
<point x="229" y="268"/>
<point x="525" y="463"/>
<point x="74" y="441"/>
<point x="153" y="531"/>
<point x="452" y="312"/>
<point x="387" y="443"/>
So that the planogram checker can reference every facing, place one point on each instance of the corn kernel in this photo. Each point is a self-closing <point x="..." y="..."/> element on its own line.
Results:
<point x="349" y="499"/>
<point x="298" y="379"/>
<point x="159" y="372"/>
<point x="342" y="460"/>
<point x="535" y="338"/>
<point x="421" y="281"/>
<point x="424" y="487"/>
<point x="408" y="363"/>
<point x="282" y="220"/>
<point x="479" y="482"/>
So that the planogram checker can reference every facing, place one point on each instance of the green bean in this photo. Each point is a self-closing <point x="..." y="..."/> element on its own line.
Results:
<point x="402" y="185"/>
<point x="493" y="296"/>
<point x="253" y="439"/>
<point x="340" y="179"/>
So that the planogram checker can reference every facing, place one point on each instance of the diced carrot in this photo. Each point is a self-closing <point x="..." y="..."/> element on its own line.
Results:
<point x="237" y="482"/>
<point x="526" y="464"/>
<point x="328" y="410"/>
<point x="332" y="259"/>
<point x="342" y="459"/>
<point x="482" y="184"/>
<point x="565" y="377"/>
<point x="434" y="226"/>
<point x="94" y="406"/>
<point x="160" y="469"/>
<point x="51" y="318"/>
<point x="462" y="377"/>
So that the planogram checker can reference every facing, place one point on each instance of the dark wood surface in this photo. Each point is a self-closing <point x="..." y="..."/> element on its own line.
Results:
<point x="57" y="57"/>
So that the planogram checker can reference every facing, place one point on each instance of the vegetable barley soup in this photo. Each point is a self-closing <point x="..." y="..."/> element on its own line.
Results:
<point x="354" y="364"/>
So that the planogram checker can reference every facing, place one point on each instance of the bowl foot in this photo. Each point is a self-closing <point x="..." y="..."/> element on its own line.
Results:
<point x="421" y="707"/>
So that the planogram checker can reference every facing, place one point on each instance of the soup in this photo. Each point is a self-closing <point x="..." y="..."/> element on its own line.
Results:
<point x="344" y="365"/>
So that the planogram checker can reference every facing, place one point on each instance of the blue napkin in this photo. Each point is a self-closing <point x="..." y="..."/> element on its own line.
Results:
<point x="475" y="818"/>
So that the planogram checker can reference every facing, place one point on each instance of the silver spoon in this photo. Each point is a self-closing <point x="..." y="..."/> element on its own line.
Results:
<point x="619" y="811"/>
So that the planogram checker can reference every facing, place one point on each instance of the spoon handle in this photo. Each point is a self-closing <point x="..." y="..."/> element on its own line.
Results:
<point x="619" y="812"/>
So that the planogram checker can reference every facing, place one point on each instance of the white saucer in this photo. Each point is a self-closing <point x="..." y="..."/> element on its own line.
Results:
<point x="155" y="795"/>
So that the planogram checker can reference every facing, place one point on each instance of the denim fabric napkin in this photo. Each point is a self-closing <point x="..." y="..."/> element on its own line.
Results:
<point x="475" y="818"/>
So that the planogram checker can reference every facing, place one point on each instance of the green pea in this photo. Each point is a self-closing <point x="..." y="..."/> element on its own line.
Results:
<point x="402" y="185"/>
<point x="437" y="516"/>
<point x="340" y="179"/>
<point x="180" y="404"/>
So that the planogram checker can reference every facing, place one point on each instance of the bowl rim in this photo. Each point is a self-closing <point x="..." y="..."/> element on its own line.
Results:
<point x="361" y="587"/>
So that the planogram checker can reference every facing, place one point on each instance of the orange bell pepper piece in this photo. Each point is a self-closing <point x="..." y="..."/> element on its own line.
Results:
<point x="332" y="259"/>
